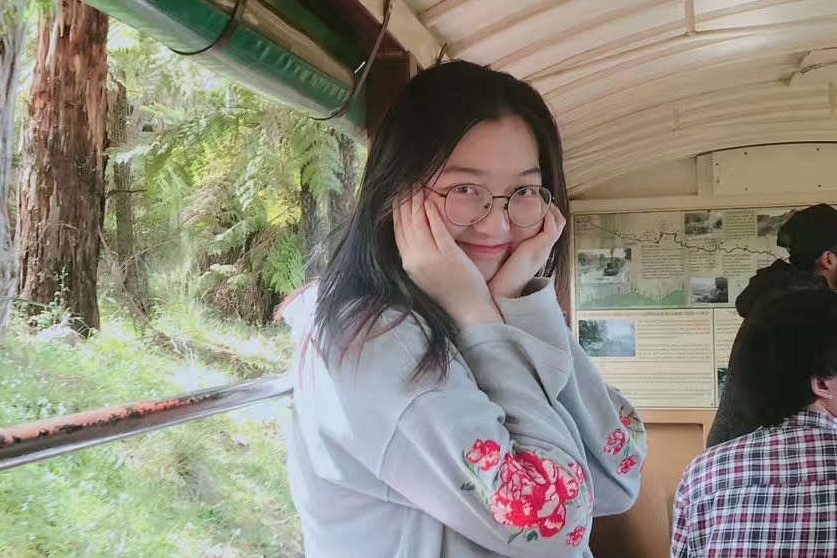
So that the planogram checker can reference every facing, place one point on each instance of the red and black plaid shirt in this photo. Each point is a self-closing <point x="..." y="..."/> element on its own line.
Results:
<point x="772" y="493"/>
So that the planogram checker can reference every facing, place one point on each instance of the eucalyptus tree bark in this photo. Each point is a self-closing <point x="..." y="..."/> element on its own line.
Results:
<point x="11" y="47"/>
<point x="62" y="178"/>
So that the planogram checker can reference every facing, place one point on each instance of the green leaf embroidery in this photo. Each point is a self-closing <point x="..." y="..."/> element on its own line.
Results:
<point x="532" y="536"/>
<point x="468" y="486"/>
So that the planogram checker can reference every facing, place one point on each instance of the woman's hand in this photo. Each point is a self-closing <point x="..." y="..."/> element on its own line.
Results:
<point x="528" y="258"/>
<point x="438" y="266"/>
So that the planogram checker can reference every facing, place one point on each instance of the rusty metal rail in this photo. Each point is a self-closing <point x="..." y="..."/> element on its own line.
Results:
<point x="28" y="443"/>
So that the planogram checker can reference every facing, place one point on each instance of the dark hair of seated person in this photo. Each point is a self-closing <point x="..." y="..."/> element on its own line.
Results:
<point x="787" y="341"/>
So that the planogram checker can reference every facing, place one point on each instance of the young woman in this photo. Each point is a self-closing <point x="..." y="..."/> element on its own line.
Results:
<point x="442" y="408"/>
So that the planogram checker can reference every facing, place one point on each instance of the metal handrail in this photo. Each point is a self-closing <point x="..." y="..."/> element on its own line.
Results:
<point x="28" y="443"/>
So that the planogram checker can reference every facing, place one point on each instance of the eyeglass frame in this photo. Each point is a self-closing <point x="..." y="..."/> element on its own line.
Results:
<point x="508" y="198"/>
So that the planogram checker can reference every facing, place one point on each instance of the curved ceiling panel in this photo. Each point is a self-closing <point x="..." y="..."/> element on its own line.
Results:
<point x="636" y="83"/>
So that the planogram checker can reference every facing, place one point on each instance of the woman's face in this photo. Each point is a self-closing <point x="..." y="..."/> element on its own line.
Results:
<point x="501" y="156"/>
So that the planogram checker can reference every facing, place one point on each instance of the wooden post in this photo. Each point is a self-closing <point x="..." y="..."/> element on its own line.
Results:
<point x="389" y="74"/>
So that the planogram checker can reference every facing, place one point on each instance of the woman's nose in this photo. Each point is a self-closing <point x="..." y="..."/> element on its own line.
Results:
<point x="497" y="219"/>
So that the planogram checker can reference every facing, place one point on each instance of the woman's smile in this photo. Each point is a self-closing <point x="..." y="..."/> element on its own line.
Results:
<point x="485" y="251"/>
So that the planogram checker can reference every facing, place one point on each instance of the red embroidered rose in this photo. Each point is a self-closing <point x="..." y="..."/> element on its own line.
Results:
<point x="552" y="525"/>
<point x="568" y="483"/>
<point x="576" y="470"/>
<point x="484" y="454"/>
<point x="626" y="421"/>
<point x="628" y="464"/>
<point x="576" y="537"/>
<point x="532" y="493"/>
<point x="615" y="442"/>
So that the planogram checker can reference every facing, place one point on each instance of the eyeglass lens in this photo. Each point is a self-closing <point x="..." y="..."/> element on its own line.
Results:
<point x="469" y="204"/>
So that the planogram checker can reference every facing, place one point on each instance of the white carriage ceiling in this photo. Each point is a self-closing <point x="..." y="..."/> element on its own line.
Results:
<point x="637" y="83"/>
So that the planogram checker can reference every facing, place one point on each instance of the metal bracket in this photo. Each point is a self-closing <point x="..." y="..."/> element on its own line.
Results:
<point x="364" y="69"/>
<point x="226" y="34"/>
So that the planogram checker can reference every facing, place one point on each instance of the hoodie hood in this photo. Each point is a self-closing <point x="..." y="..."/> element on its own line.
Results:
<point x="777" y="278"/>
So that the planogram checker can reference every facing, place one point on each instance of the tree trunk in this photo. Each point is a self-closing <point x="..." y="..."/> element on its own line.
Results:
<point x="311" y="231"/>
<point x="342" y="203"/>
<point x="11" y="47"/>
<point x="61" y="202"/>
<point x="121" y="192"/>
<point x="121" y="178"/>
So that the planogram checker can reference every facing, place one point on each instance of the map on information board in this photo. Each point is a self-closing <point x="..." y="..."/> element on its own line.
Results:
<point x="672" y="259"/>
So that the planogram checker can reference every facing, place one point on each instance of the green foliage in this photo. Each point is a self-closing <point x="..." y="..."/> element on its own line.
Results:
<point x="213" y="487"/>
<point x="286" y="263"/>
<point x="54" y="312"/>
<point x="217" y="172"/>
<point x="221" y="170"/>
<point x="11" y="14"/>
<point x="228" y="175"/>
<point x="315" y="153"/>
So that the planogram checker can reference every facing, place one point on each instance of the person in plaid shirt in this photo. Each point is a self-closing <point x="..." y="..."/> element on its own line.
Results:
<point x="773" y="492"/>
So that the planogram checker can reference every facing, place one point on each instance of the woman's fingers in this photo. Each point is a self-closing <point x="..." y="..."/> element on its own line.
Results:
<point x="528" y="258"/>
<point x="416" y="227"/>
<point x="550" y="229"/>
<point x="560" y="221"/>
<point x="553" y="226"/>
<point x="441" y="236"/>
<point x="540" y="244"/>
<point x="445" y="274"/>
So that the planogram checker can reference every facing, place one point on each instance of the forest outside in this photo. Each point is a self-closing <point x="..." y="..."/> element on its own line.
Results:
<point x="215" y="204"/>
<point x="214" y="488"/>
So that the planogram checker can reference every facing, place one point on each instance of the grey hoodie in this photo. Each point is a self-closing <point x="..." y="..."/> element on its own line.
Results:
<point x="511" y="455"/>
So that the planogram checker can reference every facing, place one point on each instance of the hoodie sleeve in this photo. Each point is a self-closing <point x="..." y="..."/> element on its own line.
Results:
<point x="612" y="433"/>
<point x="485" y="454"/>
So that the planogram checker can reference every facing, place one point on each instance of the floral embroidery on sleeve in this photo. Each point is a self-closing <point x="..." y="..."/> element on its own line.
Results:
<point x="584" y="488"/>
<point x="576" y="536"/>
<point x="616" y="442"/>
<point x="577" y="471"/>
<point x="627" y="465"/>
<point x="532" y="491"/>
<point x="485" y="454"/>
<point x="620" y="443"/>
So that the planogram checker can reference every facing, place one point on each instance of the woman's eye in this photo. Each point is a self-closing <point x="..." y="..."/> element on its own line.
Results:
<point x="464" y="190"/>
<point x="527" y="191"/>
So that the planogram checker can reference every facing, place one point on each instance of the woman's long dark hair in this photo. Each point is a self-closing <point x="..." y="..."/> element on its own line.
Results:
<point x="437" y="108"/>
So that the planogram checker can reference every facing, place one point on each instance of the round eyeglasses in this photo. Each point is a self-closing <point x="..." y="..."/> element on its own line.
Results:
<point x="468" y="204"/>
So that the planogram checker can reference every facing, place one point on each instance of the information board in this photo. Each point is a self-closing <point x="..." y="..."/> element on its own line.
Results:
<point x="655" y="295"/>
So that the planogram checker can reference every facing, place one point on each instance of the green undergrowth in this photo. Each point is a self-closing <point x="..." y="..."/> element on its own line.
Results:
<point x="213" y="488"/>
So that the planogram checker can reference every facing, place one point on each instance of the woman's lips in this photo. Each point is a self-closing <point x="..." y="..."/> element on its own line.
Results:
<point x="485" y="250"/>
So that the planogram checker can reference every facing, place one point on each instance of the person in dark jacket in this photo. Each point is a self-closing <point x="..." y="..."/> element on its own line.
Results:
<point x="810" y="237"/>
